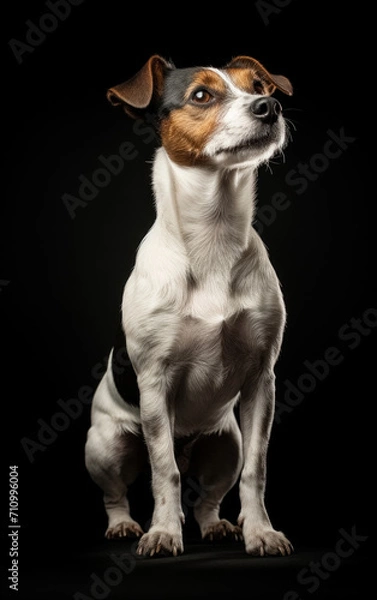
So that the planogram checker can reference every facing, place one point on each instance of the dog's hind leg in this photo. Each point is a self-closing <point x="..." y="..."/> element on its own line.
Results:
<point x="114" y="457"/>
<point x="216" y="462"/>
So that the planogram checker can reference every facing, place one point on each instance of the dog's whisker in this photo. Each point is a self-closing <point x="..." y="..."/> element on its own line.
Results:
<point x="290" y="123"/>
<point x="292" y="108"/>
<point x="268" y="165"/>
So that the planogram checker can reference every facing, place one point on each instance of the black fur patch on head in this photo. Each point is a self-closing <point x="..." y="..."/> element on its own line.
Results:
<point x="176" y="83"/>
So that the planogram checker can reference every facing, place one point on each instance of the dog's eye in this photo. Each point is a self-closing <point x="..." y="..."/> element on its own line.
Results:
<point x="258" y="86"/>
<point x="201" y="97"/>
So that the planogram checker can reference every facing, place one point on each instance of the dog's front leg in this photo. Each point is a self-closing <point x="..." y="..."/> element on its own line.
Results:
<point x="165" y="532"/>
<point x="256" y="412"/>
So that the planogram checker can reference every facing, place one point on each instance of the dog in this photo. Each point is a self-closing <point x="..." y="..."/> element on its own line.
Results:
<point x="202" y="314"/>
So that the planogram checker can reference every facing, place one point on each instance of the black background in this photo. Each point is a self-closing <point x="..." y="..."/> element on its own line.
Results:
<point x="62" y="278"/>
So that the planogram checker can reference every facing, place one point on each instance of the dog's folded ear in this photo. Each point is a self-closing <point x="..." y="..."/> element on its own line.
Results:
<point x="139" y="93"/>
<point x="272" y="81"/>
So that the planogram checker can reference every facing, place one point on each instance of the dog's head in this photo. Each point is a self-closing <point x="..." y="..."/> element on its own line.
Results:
<point x="207" y="116"/>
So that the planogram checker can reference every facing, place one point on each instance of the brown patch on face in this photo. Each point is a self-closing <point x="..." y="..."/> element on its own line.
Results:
<point x="250" y="80"/>
<point x="186" y="130"/>
<point x="209" y="80"/>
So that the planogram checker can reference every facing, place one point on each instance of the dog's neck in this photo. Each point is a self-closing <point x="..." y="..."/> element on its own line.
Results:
<point x="208" y="211"/>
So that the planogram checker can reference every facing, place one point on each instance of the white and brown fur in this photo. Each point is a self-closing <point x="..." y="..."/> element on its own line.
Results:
<point x="202" y="312"/>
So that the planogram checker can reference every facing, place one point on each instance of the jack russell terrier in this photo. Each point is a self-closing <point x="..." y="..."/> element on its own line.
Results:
<point x="202" y="312"/>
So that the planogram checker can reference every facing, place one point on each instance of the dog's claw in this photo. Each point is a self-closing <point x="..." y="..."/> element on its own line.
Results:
<point x="159" y="543"/>
<point x="222" y="530"/>
<point x="267" y="542"/>
<point x="124" y="529"/>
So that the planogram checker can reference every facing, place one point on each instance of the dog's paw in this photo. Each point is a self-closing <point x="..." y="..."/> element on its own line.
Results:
<point x="222" y="530"/>
<point x="160" y="543"/>
<point x="264" y="542"/>
<point x="124" y="529"/>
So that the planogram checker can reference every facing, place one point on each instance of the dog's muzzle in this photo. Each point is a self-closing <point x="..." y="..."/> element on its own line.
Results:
<point x="266" y="109"/>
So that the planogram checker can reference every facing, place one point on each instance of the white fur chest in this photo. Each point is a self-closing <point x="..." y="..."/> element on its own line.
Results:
<point x="203" y="304"/>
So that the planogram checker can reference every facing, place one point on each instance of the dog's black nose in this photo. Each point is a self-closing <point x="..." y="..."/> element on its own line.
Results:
<point x="266" y="108"/>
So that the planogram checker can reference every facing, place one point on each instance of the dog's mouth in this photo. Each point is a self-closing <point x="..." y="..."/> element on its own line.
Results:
<point x="268" y="135"/>
<point x="253" y="143"/>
